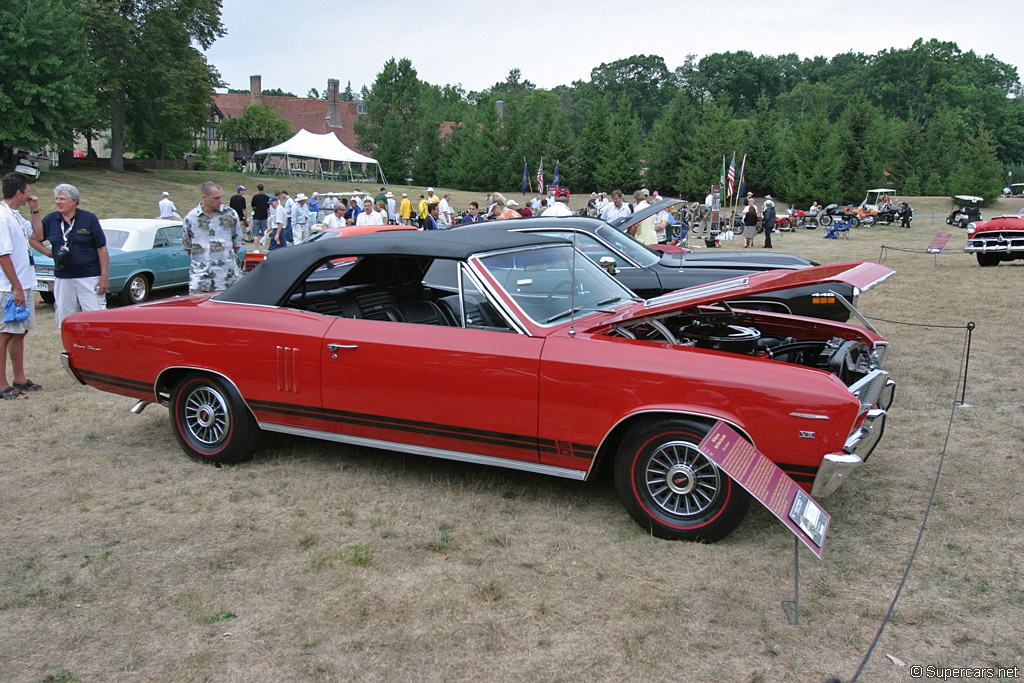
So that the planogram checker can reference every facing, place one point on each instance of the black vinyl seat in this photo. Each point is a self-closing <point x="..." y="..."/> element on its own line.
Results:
<point x="417" y="312"/>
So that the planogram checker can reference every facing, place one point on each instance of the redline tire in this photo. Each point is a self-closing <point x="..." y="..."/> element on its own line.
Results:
<point x="671" y="489"/>
<point x="210" y="421"/>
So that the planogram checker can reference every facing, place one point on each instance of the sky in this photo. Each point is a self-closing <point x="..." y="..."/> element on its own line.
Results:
<point x="299" y="44"/>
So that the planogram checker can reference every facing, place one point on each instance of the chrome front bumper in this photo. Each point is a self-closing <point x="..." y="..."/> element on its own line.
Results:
<point x="1001" y="242"/>
<point x="836" y="467"/>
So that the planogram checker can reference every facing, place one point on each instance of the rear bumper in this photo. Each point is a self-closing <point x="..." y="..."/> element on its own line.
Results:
<point x="44" y="283"/>
<point x="65" y="361"/>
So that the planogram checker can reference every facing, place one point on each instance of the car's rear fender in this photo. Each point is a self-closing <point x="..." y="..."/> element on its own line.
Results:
<point x="169" y="377"/>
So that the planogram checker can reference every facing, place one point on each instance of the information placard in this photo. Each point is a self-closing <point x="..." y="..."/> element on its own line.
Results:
<point x="763" y="479"/>
<point x="939" y="243"/>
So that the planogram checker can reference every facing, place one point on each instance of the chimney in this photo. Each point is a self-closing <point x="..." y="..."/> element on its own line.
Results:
<point x="255" y="90"/>
<point x="333" y="108"/>
<point x="500" y="106"/>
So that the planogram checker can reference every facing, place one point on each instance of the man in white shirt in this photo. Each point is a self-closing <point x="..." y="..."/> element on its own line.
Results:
<point x="289" y="209"/>
<point x="167" y="207"/>
<point x="337" y="219"/>
<point x="444" y="210"/>
<point x="560" y="207"/>
<point x="615" y="208"/>
<point x="535" y="204"/>
<point x="392" y="212"/>
<point x="368" y="216"/>
<point x="17" y="278"/>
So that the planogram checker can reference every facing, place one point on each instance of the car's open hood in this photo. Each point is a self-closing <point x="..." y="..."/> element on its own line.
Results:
<point x="626" y="222"/>
<point x="861" y="274"/>
<point x="758" y="260"/>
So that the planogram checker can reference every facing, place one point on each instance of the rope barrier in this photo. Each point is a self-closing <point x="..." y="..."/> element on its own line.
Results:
<point x="961" y="375"/>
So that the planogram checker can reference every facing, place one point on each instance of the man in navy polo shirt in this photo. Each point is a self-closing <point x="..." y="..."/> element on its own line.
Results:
<point x="81" y="264"/>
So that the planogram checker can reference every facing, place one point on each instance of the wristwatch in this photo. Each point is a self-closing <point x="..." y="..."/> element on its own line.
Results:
<point x="36" y="211"/>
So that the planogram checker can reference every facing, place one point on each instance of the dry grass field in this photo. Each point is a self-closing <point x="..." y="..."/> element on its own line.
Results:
<point x="122" y="560"/>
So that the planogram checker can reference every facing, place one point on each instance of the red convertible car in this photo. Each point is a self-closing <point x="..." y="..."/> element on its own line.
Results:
<point x="996" y="240"/>
<point x="505" y="349"/>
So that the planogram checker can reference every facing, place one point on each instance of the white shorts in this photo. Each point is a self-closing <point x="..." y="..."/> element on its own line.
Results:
<point x="71" y="295"/>
<point x="25" y="325"/>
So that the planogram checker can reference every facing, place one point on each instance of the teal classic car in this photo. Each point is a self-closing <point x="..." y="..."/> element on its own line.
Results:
<point x="146" y="254"/>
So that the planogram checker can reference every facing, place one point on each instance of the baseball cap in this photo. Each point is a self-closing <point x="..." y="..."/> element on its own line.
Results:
<point x="166" y="194"/>
<point x="241" y="187"/>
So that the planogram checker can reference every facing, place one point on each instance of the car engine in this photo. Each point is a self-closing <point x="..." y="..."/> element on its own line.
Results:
<point x="730" y="331"/>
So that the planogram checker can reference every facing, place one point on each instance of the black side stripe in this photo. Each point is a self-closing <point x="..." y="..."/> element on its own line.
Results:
<point x="428" y="428"/>
<point x="112" y="380"/>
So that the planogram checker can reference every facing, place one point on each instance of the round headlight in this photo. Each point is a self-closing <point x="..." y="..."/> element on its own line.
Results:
<point x="971" y="228"/>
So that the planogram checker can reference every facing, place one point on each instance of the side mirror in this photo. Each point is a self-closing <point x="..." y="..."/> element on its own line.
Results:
<point x="608" y="263"/>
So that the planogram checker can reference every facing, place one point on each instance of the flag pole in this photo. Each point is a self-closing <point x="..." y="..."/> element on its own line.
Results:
<point x="739" y="186"/>
<point x="529" y="180"/>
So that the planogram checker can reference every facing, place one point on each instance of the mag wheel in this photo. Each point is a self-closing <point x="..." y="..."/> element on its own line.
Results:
<point x="136" y="290"/>
<point x="669" y="487"/>
<point x="210" y="421"/>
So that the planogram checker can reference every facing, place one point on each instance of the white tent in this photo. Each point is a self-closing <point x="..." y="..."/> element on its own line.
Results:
<point x="325" y="147"/>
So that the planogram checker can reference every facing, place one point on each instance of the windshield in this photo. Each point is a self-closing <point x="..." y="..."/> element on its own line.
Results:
<point x="542" y="284"/>
<point x="630" y="248"/>
<point x="115" y="238"/>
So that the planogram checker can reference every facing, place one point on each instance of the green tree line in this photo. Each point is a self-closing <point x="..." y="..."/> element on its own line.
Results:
<point x="928" y="119"/>
<point x="134" y="67"/>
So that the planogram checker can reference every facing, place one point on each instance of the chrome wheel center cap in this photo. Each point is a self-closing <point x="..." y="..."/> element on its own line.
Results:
<point x="681" y="479"/>
<point x="204" y="416"/>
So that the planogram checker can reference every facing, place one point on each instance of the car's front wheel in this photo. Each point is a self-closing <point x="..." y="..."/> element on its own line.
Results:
<point x="210" y="421"/>
<point x="670" y="488"/>
<point x="986" y="260"/>
<point x="136" y="290"/>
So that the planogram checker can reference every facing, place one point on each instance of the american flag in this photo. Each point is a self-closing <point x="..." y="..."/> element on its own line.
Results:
<point x="731" y="177"/>
<point x="540" y="176"/>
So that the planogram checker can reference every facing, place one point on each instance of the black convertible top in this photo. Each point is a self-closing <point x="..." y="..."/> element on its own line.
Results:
<point x="271" y="280"/>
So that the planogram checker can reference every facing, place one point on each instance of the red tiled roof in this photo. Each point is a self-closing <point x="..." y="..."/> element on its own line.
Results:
<point x="299" y="112"/>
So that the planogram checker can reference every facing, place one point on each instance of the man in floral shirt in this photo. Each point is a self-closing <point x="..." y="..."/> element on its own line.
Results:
<point x="212" y="235"/>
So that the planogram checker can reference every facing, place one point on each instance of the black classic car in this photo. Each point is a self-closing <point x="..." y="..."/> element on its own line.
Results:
<point x="651" y="273"/>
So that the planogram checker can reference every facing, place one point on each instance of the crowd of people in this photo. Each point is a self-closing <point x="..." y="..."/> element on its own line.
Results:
<point x="214" y="231"/>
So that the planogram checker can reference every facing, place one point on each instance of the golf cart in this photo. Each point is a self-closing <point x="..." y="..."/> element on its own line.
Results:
<point x="966" y="209"/>
<point x="879" y="206"/>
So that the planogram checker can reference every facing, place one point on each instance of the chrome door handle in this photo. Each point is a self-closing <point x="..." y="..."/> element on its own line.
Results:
<point x="335" y="347"/>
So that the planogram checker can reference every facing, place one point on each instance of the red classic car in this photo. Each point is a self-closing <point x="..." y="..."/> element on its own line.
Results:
<point x="505" y="349"/>
<point x="996" y="240"/>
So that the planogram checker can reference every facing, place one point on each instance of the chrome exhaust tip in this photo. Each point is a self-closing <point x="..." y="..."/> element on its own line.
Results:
<point x="138" y="407"/>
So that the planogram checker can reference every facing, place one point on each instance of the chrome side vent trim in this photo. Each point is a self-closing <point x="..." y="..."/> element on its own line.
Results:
<point x="287" y="369"/>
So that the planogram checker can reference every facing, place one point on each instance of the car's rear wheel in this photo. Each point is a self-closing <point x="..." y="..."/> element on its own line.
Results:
<point x="825" y="219"/>
<point x="670" y="488"/>
<point x="46" y="297"/>
<point x="986" y="260"/>
<point x="136" y="290"/>
<point x="210" y="421"/>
